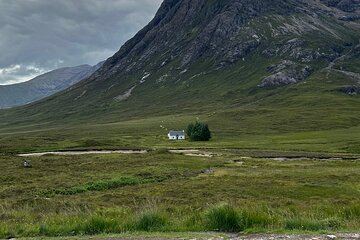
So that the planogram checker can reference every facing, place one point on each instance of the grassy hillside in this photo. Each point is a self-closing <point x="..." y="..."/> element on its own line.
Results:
<point x="310" y="116"/>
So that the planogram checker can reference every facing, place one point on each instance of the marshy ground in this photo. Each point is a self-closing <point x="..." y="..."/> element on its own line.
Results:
<point x="159" y="191"/>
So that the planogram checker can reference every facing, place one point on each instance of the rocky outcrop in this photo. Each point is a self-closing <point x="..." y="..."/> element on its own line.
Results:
<point x="344" y="5"/>
<point x="357" y="50"/>
<point x="350" y="90"/>
<point x="285" y="73"/>
<point x="239" y="51"/>
<point x="297" y="50"/>
<point x="349" y="18"/>
<point x="281" y="66"/>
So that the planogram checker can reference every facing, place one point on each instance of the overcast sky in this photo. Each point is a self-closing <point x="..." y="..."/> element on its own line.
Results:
<point x="37" y="36"/>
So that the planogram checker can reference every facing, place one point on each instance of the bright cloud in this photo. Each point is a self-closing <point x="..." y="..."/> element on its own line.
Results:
<point x="19" y="73"/>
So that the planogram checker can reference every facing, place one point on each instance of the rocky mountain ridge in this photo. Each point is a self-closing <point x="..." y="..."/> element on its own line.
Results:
<point x="227" y="52"/>
<point x="222" y="31"/>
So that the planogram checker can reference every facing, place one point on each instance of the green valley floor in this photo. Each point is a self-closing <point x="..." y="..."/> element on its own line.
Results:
<point x="221" y="190"/>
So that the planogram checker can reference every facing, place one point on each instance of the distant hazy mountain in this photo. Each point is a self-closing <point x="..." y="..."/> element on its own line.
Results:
<point x="44" y="85"/>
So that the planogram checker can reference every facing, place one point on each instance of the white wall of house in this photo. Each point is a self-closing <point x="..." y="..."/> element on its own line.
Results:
<point x="179" y="137"/>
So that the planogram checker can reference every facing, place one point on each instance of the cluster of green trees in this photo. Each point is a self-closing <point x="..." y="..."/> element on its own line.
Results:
<point x="198" y="132"/>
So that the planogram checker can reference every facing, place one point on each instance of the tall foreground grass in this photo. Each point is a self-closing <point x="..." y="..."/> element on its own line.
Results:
<point x="222" y="217"/>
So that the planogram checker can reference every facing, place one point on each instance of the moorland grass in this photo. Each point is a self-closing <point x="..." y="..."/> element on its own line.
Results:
<point x="225" y="218"/>
<point x="221" y="218"/>
<point x="239" y="194"/>
<point x="150" y="220"/>
<point x="100" y="185"/>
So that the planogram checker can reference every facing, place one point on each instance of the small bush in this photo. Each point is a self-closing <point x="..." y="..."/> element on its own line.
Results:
<point x="224" y="218"/>
<point x="228" y="219"/>
<point x="151" y="221"/>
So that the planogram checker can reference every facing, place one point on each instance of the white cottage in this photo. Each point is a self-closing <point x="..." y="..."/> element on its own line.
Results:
<point x="177" y="135"/>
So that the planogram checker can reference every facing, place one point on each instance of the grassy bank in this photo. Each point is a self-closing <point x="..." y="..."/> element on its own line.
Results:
<point x="223" y="218"/>
<point x="163" y="192"/>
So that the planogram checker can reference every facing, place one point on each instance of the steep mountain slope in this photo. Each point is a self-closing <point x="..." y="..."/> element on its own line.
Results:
<point x="44" y="85"/>
<point x="246" y="66"/>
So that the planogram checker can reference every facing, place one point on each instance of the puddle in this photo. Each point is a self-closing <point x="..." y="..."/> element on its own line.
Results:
<point x="75" y="153"/>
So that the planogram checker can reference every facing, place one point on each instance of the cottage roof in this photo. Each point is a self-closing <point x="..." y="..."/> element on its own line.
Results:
<point x="177" y="133"/>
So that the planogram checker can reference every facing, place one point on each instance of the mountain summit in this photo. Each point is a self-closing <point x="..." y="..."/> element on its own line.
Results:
<point x="202" y="55"/>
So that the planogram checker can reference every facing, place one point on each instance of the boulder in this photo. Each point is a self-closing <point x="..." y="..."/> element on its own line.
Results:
<point x="350" y="90"/>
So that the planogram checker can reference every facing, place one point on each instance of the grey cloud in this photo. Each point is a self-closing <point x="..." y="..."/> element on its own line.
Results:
<point x="48" y="34"/>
